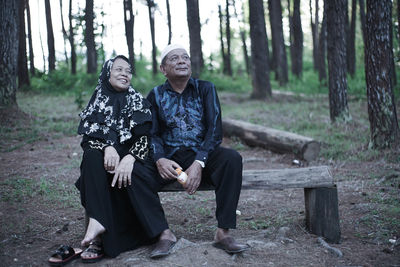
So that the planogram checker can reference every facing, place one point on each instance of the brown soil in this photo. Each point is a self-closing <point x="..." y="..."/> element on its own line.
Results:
<point x="40" y="209"/>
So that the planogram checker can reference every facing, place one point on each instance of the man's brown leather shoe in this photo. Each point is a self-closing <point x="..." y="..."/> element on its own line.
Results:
<point x="162" y="248"/>
<point x="229" y="245"/>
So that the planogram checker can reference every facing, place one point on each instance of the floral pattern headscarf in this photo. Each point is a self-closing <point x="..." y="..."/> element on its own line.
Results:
<point x="111" y="115"/>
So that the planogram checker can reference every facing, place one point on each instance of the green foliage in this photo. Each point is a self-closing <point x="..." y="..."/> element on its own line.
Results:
<point x="144" y="81"/>
<point x="224" y="83"/>
<point x="62" y="82"/>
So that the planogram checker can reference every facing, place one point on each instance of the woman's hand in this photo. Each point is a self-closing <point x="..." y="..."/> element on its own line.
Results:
<point x="123" y="171"/>
<point x="194" y="177"/>
<point x="111" y="159"/>
<point x="166" y="168"/>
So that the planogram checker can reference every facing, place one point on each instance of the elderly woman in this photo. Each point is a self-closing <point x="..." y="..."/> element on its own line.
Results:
<point x="117" y="182"/>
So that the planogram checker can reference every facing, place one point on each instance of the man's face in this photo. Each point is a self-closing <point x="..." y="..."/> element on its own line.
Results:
<point x="177" y="65"/>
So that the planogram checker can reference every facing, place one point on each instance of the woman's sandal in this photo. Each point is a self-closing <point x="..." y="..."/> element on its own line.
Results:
<point x="63" y="255"/>
<point x="95" y="247"/>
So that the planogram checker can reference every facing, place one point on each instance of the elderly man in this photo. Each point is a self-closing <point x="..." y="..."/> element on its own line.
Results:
<point x="187" y="134"/>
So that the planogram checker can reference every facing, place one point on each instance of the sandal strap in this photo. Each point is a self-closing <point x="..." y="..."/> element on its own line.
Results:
<point x="95" y="243"/>
<point x="94" y="251"/>
<point x="64" y="252"/>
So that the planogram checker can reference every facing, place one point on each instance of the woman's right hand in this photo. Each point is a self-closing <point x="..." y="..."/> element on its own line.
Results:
<point x="111" y="159"/>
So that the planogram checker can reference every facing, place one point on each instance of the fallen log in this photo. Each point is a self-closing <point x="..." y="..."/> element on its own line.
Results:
<point x="275" y="140"/>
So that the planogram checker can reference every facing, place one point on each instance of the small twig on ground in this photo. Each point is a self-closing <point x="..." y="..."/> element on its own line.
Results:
<point x="333" y="250"/>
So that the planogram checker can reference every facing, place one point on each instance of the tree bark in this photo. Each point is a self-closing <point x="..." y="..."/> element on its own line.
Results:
<point x="50" y="37"/>
<point x="151" y="6"/>
<point x="336" y="14"/>
<point x="259" y="51"/>
<point x="278" y="43"/>
<point x="64" y="32"/>
<point x="382" y="115"/>
<point x="314" y="32"/>
<point x="297" y="42"/>
<point x="169" y="22"/>
<point x="9" y="50"/>
<point x="31" y="56"/>
<point x="23" y="75"/>
<point x="393" y="68"/>
<point x="322" y="51"/>
<point x="71" y="39"/>
<point x="196" y="53"/>
<point x="362" y="19"/>
<point x="221" y="39"/>
<point x="91" y="52"/>
<point x="129" y="20"/>
<point x="242" y="37"/>
<point x="351" y="47"/>
<point x="228" y="40"/>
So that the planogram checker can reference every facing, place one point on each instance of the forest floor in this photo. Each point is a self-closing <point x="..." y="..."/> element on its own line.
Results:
<point x="40" y="209"/>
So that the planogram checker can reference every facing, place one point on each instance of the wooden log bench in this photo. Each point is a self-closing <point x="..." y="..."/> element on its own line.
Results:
<point x="320" y="193"/>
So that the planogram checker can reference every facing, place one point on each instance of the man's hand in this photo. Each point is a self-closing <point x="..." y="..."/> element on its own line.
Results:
<point x="111" y="158"/>
<point x="123" y="171"/>
<point x="194" y="177"/>
<point x="166" y="168"/>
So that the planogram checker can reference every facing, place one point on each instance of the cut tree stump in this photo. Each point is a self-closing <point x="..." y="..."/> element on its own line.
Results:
<point x="321" y="200"/>
<point x="275" y="140"/>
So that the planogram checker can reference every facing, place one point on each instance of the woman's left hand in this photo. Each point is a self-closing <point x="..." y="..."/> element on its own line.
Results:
<point x="123" y="172"/>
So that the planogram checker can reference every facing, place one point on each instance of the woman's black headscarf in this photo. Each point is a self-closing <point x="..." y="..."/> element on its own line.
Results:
<point x="111" y="115"/>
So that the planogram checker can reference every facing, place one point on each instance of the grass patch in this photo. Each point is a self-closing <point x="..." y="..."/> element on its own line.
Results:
<point x="19" y="189"/>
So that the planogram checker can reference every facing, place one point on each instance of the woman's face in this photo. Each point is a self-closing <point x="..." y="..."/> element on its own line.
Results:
<point x="121" y="75"/>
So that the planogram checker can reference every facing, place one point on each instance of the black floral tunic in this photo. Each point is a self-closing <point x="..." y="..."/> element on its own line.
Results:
<point x="119" y="119"/>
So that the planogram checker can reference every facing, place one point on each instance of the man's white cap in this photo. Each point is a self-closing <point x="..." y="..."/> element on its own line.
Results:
<point x="169" y="48"/>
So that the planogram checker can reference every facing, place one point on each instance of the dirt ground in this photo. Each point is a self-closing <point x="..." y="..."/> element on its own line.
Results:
<point x="40" y="209"/>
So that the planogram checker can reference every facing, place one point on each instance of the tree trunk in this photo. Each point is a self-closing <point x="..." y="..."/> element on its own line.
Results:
<point x="31" y="56"/>
<point x="322" y="51"/>
<point x="393" y="68"/>
<point x="351" y="47"/>
<point x="65" y="36"/>
<point x="169" y="22"/>
<point x="314" y="33"/>
<point x="71" y="39"/>
<point x="297" y="51"/>
<point x="23" y="75"/>
<point x="91" y="52"/>
<point x="362" y="19"/>
<point x="278" y="43"/>
<point x="336" y="14"/>
<point x="151" y="6"/>
<point x="381" y="106"/>
<point x="196" y="53"/>
<point x="50" y="37"/>
<point x="228" y="40"/>
<point x="129" y="20"/>
<point x="259" y="51"/>
<point x="41" y="45"/>
<point x="243" y="37"/>
<point x="221" y="39"/>
<point x="9" y="50"/>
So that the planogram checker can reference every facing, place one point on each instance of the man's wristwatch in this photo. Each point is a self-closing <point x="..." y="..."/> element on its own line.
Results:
<point x="201" y="163"/>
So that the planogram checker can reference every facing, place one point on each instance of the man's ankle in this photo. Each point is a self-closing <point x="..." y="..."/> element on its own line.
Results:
<point x="221" y="233"/>
<point x="167" y="234"/>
